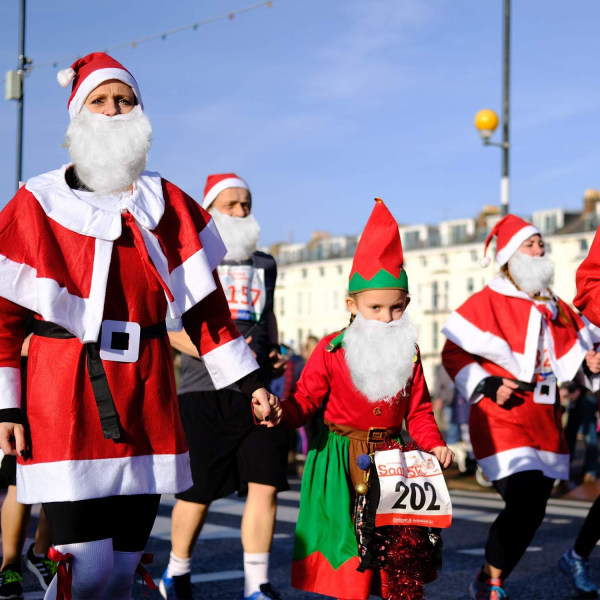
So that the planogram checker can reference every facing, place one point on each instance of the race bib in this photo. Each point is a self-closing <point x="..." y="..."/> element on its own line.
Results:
<point x="545" y="390"/>
<point x="244" y="288"/>
<point x="413" y="490"/>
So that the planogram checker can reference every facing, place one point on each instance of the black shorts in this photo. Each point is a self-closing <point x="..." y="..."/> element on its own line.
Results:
<point x="127" y="520"/>
<point x="8" y="470"/>
<point x="227" y="449"/>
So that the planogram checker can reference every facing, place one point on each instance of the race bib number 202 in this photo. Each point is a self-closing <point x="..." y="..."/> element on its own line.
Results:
<point x="413" y="490"/>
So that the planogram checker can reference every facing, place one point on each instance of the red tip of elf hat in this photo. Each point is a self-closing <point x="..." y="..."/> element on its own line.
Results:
<point x="378" y="259"/>
<point x="215" y="184"/>
<point x="510" y="231"/>
<point x="88" y="73"/>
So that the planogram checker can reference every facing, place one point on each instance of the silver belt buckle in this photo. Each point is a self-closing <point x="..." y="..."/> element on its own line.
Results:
<point x="120" y="341"/>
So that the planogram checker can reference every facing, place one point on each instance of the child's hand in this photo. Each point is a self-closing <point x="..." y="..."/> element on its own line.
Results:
<point x="444" y="455"/>
<point x="266" y="407"/>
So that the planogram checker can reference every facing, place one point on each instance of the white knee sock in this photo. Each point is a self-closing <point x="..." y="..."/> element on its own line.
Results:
<point x="178" y="566"/>
<point x="121" y="580"/>
<point x="91" y="568"/>
<point x="256" y="568"/>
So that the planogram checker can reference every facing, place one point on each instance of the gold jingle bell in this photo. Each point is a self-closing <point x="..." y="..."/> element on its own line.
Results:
<point x="361" y="488"/>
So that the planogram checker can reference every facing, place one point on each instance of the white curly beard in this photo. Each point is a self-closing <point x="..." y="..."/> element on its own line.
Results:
<point x="239" y="234"/>
<point x="109" y="153"/>
<point x="380" y="356"/>
<point x="531" y="273"/>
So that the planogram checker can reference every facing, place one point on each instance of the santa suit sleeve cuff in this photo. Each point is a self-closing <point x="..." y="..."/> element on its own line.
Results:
<point x="229" y="362"/>
<point x="467" y="380"/>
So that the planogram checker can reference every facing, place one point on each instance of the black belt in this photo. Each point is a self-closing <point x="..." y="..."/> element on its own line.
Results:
<point x="109" y="419"/>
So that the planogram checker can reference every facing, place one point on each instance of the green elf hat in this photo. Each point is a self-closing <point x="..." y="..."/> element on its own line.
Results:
<point x="378" y="259"/>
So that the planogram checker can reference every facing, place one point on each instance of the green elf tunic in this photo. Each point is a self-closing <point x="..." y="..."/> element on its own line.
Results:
<point x="325" y="549"/>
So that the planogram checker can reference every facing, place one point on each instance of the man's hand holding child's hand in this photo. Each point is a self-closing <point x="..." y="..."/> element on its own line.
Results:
<point x="267" y="408"/>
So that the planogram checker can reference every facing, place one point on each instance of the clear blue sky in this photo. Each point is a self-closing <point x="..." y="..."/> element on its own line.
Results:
<point x="323" y="104"/>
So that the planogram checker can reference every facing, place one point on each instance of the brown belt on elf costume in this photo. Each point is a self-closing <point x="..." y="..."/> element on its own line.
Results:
<point x="109" y="419"/>
<point x="362" y="442"/>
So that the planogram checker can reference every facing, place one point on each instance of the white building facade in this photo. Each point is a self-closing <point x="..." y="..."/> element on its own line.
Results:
<point x="442" y="263"/>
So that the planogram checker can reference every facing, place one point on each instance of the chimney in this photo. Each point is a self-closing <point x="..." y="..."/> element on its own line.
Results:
<point x="590" y="199"/>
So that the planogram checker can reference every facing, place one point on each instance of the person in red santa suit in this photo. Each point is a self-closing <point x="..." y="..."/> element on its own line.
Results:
<point x="100" y="251"/>
<point x="507" y="346"/>
<point x="370" y="380"/>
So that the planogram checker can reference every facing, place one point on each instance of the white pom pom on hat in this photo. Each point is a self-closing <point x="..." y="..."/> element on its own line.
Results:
<point x="65" y="76"/>
<point x="485" y="261"/>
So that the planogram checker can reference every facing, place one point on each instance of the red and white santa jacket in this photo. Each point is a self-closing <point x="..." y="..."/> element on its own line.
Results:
<point x="77" y="260"/>
<point x="501" y="331"/>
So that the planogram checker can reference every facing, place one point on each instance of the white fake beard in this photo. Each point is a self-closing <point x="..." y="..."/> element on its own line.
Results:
<point x="239" y="234"/>
<point x="380" y="356"/>
<point x="531" y="273"/>
<point x="109" y="153"/>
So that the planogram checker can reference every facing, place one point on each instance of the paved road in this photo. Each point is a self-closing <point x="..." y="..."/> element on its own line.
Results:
<point x="217" y="563"/>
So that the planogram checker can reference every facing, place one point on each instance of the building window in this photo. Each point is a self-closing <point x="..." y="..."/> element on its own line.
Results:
<point x="470" y="285"/>
<point x="281" y="306"/>
<point x="322" y="271"/>
<point x="304" y="273"/>
<point x="340" y="269"/>
<point x="474" y="257"/>
<point x="583" y="245"/>
<point x="434" y="335"/>
<point x="434" y="295"/>
<point x="548" y="247"/>
<point x="446" y="290"/>
<point x="423" y="261"/>
<point x="444" y="258"/>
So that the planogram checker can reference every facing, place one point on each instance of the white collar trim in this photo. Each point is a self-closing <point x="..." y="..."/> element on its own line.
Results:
<point x="94" y="215"/>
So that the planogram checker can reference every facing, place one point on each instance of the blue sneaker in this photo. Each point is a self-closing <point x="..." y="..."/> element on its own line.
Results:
<point x="178" y="587"/>
<point x="579" y="572"/>
<point x="266" y="593"/>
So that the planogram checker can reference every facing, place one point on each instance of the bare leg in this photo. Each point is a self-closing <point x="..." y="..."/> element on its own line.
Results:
<point x="187" y="520"/>
<point x="14" y="518"/>
<point x="42" y="535"/>
<point x="258" y="520"/>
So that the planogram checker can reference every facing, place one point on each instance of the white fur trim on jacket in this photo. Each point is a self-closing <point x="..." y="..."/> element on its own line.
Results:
<point x="229" y="362"/>
<point x="525" y="458"/>
<point x="10" y="387"/>
<point x="63" y="481"/>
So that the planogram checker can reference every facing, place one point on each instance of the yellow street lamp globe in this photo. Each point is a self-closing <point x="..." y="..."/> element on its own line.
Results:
<point x="486" y="121"/>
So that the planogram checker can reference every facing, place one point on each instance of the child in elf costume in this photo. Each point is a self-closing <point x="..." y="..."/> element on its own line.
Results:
<point x="370" y="380"/>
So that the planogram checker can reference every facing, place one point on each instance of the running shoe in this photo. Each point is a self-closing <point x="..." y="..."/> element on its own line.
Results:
<point x="178" y="587"/>
<point x="266" y="593"/>
<point x="42" y="567"/>
<point x="11" y="583"/>
<point x="490" y="589"/>
<point x="579" y="572"/>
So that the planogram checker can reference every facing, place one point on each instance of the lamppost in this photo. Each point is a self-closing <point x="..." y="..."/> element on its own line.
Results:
<point x="486" y="120"/>
<point x="14" y="90"/>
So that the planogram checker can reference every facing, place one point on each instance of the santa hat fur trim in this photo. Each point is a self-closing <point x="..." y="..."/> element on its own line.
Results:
<point x="88" y="73"/>
<point x="215" y="184"/>
<point x="510" y="231"/>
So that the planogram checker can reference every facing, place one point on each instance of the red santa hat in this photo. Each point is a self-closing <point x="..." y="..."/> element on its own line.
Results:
<point x="378" y="261"/>
<point x="88" y="73"/>
<point x="510" y="231"/>
<point x="215" y="184"/>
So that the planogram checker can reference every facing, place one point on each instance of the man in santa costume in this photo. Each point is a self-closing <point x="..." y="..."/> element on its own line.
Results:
<point x="100" y="251"/>
<point x="228" y="451"/>
<point x="507" y="347"/>
<point x="369" y="378"/>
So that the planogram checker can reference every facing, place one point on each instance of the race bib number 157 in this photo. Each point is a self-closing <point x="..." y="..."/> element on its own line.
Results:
<point x="413" y="490"/>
